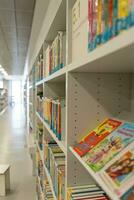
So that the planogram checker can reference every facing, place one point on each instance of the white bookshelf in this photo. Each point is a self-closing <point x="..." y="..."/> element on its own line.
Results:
<point x="97" y="86"/>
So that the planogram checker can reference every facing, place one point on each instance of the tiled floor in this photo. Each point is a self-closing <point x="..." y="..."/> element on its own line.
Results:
<point x="13" y="151"/>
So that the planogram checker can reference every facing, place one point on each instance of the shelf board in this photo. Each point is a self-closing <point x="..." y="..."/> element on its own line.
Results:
<point x="47" y="172"/>
<point x="60" y="144"/>
<point x="30" y="87"/>
<point x="95" y="176"/>
<point x="116" y="55"/>
<point x="39" y="82"/>
<point x="58" y="76"/>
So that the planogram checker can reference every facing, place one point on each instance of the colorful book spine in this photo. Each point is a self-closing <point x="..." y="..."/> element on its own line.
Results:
<point x="99" y="21"/>
<point x="107" y="18"/>
<point x="123" y="13"/>
<point x="131" y="12"/>
<point x="54" y="115"/>
<point x="92" y="23"/>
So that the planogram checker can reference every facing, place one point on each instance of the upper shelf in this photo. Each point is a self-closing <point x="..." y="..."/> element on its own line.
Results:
<point x="114" y="56"/>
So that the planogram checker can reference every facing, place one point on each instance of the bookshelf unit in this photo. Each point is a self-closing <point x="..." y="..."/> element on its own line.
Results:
<point x="96" y="86"/>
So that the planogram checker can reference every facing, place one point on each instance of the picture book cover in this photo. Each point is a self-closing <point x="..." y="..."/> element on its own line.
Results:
<point x="95" y="136"/>
<point x="102" y="153"/>
<point x="129" y="195"/>
<point x="121" y="173"/>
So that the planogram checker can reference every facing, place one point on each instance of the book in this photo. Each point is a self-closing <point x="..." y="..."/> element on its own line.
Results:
<point x="120" y="172"/>
<point x="129" y="195"/>
<point x="86" y="192"/>
<point x="96" y="135"/>
<point x="123" y="12"/>
<point x="102" y="153"/>
<point x="79" y="29"/>
<point x="92" y="24"/>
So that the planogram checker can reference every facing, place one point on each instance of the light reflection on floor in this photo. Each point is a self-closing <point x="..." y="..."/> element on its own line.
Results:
<point x="13" y="151"/>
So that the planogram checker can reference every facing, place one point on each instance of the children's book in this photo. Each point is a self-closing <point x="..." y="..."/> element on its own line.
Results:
<point x="95" y="136"/>
<point x="129" y="195"/>
<point x="120" y="173"/>
<point x="102" y="153"/>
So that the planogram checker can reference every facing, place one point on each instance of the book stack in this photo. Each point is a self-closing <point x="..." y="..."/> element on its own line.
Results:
<point x="107" y="19"/>
<point x="86" y="192"/>
<point x="108" y="150"/>
<point x="54" y="115"/>
<point x="56" y="54"/>
<point x="39" y="66"/>
<point x="55" y="163"/>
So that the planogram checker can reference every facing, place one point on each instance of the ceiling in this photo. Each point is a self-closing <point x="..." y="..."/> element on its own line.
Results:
<point x="15" y="28"/>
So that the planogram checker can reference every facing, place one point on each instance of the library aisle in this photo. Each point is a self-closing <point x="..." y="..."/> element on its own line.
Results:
<point x="13" y="151"/>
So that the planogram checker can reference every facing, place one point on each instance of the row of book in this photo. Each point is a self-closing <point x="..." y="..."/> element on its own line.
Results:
<point x="42" y="185"/>
<point x="108" y="150"/>
<point x="39" y="101"/>
<point x="86" y="192"/>
<point x="107" y="19"/>
<point x="39" y="66"/>
<point x="94" y="22"/>
<point x="55" y="54"/>
<point x="54" y="115"/>
<point x="39" y="134"/>
<point x="55" y="163"/>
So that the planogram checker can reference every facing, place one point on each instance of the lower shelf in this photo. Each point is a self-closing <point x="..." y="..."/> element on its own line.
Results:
<point x="95" y="176"/>
<point x="46" y="172"/>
